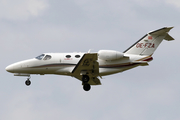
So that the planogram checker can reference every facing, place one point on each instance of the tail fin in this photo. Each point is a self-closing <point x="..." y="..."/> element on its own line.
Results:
<point x="149" y="43"/>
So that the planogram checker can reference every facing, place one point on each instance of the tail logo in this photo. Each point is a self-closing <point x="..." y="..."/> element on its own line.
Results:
<point x="149" y="37"/>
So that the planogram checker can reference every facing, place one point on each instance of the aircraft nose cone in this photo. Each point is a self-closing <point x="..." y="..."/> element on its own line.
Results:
<point x="9" y="68"/>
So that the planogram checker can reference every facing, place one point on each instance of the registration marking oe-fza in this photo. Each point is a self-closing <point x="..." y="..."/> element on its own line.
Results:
<point x="145" y="45"/>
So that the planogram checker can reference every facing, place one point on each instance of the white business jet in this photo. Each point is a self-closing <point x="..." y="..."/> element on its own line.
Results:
<point x="89" y="67"/>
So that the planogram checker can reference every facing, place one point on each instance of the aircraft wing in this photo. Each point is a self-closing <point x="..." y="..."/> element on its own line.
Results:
<point x="88" y="65"/>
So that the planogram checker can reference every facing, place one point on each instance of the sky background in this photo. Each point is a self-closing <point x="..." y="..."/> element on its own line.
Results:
<point x="31" y="27"/>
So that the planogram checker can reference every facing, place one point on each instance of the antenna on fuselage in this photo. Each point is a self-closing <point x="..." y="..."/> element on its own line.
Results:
<point x="89" y="50"/>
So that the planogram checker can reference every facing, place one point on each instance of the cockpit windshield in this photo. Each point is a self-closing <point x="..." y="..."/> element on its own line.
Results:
<point x="40" y="57"/>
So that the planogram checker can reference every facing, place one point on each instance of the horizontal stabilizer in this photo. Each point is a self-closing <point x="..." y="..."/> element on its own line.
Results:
<point x="168" y="37"/>
<point x="142" y="63"/>
<point x="160" y="31"/>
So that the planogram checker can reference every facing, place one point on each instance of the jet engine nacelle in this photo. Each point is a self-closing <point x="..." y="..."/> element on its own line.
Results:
<point x="110" y="55"/>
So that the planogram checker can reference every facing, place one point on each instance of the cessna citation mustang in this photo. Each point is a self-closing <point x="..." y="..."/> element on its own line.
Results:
<point x="89" y="67"/>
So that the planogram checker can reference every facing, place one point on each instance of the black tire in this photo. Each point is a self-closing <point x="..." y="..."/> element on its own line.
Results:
<point x="86" y="87"/>
<point x="28" y="82"/>
<point x="85" y="78"/>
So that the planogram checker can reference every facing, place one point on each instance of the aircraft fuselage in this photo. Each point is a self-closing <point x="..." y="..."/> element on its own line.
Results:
<point x="64" y="63"/>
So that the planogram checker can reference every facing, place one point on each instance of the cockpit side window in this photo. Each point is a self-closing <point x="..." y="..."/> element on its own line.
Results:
<point x="40" y="57"/>
<point x="47" y="57"/>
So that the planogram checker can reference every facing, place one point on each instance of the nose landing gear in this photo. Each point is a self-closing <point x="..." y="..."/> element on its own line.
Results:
<point x="28" y="82"/>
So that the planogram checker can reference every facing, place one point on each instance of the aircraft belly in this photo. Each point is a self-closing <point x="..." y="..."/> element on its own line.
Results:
<point x="38" y="70"/>
<point x="64" y="71"/>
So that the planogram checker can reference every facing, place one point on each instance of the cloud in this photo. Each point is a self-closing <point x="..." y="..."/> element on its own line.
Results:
<point x="21" y="9"/>
<point x="176" y="3"/>
<point x="147" y="3"/>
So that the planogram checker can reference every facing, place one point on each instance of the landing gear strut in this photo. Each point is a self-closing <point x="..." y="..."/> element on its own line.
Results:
<point x="28" y="82"/>
<point x="86" y="85"/>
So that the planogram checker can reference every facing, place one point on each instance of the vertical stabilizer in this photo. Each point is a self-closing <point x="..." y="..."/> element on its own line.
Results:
<point x="149" y="43"/>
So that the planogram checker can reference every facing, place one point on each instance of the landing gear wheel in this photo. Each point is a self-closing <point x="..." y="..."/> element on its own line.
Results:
<point x="86" y="87"/>
<point x="85" y="78"/>
<point x="28" y="82"/>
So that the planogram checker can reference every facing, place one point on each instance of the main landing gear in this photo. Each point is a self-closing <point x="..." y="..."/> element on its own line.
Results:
<point x="86" y="85"/>
<point x="28" y="82"/>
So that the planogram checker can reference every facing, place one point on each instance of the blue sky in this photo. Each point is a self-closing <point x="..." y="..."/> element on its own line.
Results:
<point x="29" y="28"/>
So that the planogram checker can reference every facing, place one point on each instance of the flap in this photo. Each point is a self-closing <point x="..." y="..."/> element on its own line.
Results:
<point x="94" y="81"/>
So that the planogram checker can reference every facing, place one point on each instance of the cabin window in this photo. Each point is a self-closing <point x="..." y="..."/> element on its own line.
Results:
<point x="47" y="57"/>
<point x="40" y="57"/>
<point x="68" y="56"/>
<point x="77" y="56"/>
